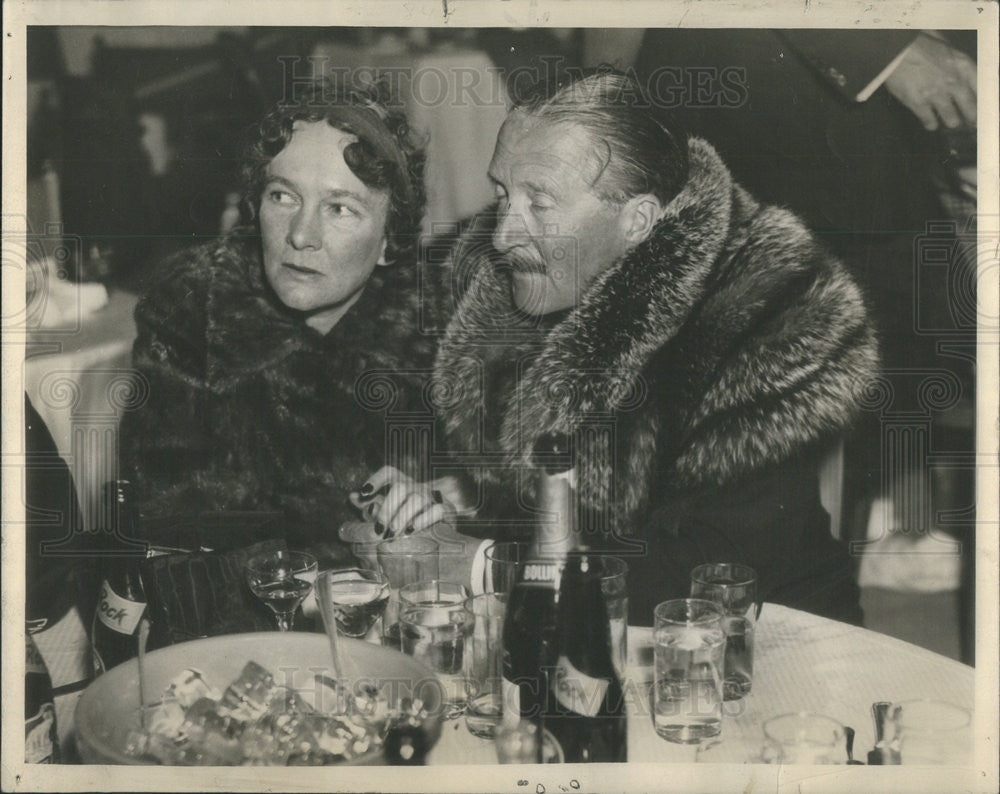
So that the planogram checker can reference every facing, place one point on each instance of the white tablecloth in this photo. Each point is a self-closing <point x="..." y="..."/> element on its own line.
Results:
<point x="80" y="380"/>
<point x="802" y="663"/>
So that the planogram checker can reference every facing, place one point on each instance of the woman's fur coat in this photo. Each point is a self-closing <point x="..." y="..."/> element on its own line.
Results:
<point x="247" y="408"/>
<point x="727" y="342"/>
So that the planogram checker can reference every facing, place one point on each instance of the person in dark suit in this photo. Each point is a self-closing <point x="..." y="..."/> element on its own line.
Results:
<point x="848" y="128"/>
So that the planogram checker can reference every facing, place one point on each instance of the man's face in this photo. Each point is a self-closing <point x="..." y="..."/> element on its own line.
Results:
<point x="554" y="230"/>
<point x="323" y="229"/>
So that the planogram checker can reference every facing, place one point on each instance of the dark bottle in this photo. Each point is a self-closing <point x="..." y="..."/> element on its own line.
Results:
<point x="121" y="601"/>
<point x="586" y="709"/>
<point x="41" y="740"/>
<point x="529" y="646"/>
<point x="531" y="623"/>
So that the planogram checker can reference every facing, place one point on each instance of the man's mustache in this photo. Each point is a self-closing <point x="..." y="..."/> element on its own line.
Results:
<point x="523" y="262"/>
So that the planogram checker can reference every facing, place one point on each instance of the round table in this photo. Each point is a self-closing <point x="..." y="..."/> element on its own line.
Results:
<point x="80" y="380"/>
<point x="802" y="662"/>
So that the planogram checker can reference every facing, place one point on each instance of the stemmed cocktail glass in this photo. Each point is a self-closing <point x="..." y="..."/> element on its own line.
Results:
<point x="282" y="579"/>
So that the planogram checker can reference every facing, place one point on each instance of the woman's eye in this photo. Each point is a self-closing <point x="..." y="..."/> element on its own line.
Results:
<point x="281" y="197"/>
<point x="340" y="210"/>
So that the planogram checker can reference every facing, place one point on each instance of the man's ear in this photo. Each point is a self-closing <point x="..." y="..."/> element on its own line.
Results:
<point x="381" y="257"/>
<point x="639" y="215"/>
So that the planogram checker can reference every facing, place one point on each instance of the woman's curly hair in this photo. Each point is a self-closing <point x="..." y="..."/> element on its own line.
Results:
<point x="402" y="177"/>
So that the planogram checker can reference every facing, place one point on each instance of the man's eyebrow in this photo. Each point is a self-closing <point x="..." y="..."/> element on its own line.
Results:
<point x="534" y="187"/>
<point x="341" y="193"/>
<point x="539" y="187"/>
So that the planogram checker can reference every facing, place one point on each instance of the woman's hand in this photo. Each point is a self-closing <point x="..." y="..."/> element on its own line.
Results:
<point x="398" y="504"/>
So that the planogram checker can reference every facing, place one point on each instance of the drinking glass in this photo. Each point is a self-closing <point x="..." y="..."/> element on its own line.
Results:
<point x="614" y="586"/>
<point x="435" y="633"/>
<point x="432" y="591"/>
<point x="688" y="657"/>
<point x="502" y="566"/>
<point x="734" y="588"/>
<point x="282" y="579"/>
<point x="803" y="738"/>
<point x="355" y="597"/>
<point x="404" y="560"/>
<point x="485" y="664"/>
<point x="933" y="732"/>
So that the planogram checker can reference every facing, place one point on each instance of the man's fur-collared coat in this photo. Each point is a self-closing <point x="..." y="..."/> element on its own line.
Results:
<point x="725" y="345"/>
<point x="250" y="409"/>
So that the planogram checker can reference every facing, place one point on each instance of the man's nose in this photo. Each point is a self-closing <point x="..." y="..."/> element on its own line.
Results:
<point x="304" y="230"/>
<point x="510" y="232"/>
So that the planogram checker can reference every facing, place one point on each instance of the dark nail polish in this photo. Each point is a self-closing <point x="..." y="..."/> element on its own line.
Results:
<point x="437" y="497"/>
<point x="367" y="489"/>
<point x="379" y="528"/>
<point x="408" y="531"/>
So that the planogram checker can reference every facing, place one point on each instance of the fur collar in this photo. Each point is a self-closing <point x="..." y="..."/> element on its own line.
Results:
<point x="249" y="330"/>
<point x="753" y="339"/>
<point x="588" y="363"/>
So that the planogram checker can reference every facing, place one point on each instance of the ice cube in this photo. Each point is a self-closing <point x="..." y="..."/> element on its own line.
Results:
<point x="189" y="686"/>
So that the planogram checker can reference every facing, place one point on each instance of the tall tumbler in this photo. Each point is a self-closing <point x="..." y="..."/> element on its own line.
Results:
<point x="689" y="647"/>
<point x="404" y="560"/>
<point x="734" y="588"/>
<point x="485" y="664"/>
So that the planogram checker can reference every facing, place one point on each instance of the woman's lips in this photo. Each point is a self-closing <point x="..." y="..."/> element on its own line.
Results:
<point x="301" y="269"/>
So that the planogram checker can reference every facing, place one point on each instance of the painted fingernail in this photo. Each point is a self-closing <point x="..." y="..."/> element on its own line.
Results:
<point x="408" y="530"/>
<point x="369" y="511"/>
<point x="438" y="498"/>
<point x="367" y="489"/>
<point x="379" y="528"/>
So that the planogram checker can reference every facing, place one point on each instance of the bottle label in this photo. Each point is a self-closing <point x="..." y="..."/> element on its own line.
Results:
<point x="577" y="691"/>
<point x="117" y="613"/>
<point x="39" y="746"/>
<point x="547" y="573"/>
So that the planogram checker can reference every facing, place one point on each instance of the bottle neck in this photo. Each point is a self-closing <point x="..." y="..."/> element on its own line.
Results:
<point x="557" y="532"/>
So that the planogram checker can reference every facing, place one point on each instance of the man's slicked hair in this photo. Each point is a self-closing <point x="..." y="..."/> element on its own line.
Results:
<point x="637" y="151"/>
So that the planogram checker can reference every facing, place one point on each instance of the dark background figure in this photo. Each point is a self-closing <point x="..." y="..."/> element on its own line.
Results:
<point x="865" y="134"/>
<point x="61" y="571"/>
<point x="804" y="133"/>
<point x="58" y="574"/>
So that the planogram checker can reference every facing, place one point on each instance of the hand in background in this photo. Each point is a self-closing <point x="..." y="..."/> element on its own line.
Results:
<point x="937" y="83"/>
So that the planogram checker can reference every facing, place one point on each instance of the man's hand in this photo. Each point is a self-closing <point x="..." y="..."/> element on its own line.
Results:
<point x="937" y="83"/>
<point x="406" y="506"/>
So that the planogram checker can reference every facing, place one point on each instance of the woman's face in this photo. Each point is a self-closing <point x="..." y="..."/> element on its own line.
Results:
<point x="322" y="228"/>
